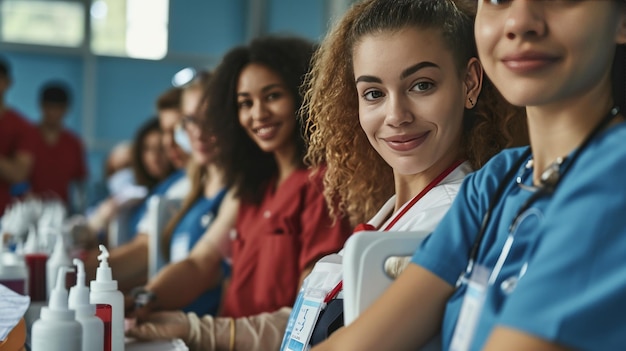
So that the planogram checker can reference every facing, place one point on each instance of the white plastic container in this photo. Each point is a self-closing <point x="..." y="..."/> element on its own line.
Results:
<point x="57" y="329"/>
<point x="59" y="258"/>
<point x="13" y="271"/>
<point x="109" y="303"/>
<point x="93" y="327"/>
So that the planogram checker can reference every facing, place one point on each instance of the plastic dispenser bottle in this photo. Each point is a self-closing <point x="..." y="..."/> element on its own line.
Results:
<point x="59" y="258"/>
<point x="57" y="329"/>
<point x="93" y="327"/>
<point x="109" y="304"/>
<point x="13" y="271"/>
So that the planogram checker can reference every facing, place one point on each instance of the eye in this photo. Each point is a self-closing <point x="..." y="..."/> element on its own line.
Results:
<point x="422" y="86"/>
<point x="273" y="96"/>
<point x="497" y="2"/>
<point x="241" y="104"/>
<point x="372" y="95"/>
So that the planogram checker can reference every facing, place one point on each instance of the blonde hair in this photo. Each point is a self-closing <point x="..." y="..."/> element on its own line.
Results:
<point x="357" y="180"/>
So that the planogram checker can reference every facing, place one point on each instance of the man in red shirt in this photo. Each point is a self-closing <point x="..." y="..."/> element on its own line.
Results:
<point x="59" y="154"/>
<point x="16" y="138"/>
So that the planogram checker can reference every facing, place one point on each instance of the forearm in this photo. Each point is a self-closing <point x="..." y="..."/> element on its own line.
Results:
<point x="261" y="332"/>
<point x="186" y="273"/>
<point x="14" y="170"/>
<point x="129" y="263"/>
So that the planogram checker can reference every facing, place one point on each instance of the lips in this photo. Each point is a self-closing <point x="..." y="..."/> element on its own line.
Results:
<point x="528" y="61"/>
<point x="267" y="131"/>
<point x="405" y="142"/>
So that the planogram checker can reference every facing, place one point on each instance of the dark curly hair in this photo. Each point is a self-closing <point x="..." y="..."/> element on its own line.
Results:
<point x="245" y="165"/>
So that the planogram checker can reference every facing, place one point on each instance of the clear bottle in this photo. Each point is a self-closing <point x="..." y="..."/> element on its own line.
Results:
<point x="109" y="303"/>
<point x="93" y="327"/>
<point x="57" y="329"/>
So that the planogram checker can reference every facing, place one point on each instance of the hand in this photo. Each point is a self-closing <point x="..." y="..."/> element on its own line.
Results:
<point x="162" y="325"/>
<point x="139" y="303"/>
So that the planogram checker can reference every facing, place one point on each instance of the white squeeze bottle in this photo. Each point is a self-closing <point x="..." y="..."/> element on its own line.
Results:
<point x="93" y="327"/>
<point x="57" y="329"/>
<point x="58" y="258"/>
<point x="109" y="304"/>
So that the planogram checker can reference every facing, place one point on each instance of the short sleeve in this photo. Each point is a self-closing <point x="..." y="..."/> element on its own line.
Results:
<point x="320" y="235"/>
<point x="446" y="251"/>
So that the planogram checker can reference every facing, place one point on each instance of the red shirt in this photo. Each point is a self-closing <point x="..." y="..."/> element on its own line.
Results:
<point x="276" y="240"/>
<point x="16" y="135"/>
<point x="57" y="165"/>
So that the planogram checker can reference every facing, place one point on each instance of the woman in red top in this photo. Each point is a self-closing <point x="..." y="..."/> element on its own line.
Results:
<point x="274" y="219"/>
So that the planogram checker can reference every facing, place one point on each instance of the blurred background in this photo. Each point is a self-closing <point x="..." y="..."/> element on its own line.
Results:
<point x="117" y="56"/>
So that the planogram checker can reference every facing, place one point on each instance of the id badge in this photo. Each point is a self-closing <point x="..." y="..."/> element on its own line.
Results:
<point x="471" y="308"/>
<point x="305" y="320"/>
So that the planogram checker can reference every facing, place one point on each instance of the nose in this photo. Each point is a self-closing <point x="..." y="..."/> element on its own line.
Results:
<point x="525" y="19"/>
<point x="259" y="111"/>
<point x="398" y="112"/>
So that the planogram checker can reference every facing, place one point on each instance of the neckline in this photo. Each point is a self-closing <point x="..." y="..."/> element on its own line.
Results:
<point x="406" y="207"/>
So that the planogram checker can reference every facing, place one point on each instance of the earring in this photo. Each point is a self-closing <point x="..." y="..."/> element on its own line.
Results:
<point x="471" y="101"/>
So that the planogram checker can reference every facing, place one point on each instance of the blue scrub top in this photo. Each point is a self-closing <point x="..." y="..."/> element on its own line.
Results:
<point x="189" y="230"/>
<point x="158" y="189"/>
<point x="574" y="242"/>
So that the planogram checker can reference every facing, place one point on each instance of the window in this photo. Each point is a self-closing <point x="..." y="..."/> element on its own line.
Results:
<point x="127" y="28"/>
<point x="43" y="22"/>
<point x="132" y="28"/>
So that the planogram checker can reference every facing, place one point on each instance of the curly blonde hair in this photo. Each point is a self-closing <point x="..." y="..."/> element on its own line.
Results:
<point x="357" y="179"/>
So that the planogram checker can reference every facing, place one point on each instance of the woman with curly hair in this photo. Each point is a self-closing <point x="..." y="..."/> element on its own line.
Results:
<point x="530" y="254"/>
<point x="400" y="112"/>
<point x="362" y="172"/>
<point x="274" y="219"/>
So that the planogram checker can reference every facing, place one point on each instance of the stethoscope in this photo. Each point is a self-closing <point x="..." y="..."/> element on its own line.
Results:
<point x="547" y="186"/>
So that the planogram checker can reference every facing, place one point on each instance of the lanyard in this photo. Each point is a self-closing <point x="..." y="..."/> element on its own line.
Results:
<point x="543" y="190"/>
<point x="366" y="226"/>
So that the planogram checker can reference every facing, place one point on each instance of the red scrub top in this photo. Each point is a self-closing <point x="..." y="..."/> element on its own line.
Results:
<point x="57" y="165"/>
<point x="16" y="135"/>
<point x="276" y="240"/>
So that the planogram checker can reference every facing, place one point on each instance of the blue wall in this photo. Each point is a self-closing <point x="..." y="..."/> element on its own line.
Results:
<point x="125" y="90"/>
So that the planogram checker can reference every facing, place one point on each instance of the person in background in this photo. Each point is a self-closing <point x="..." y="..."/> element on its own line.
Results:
<point x="151" y="169"/>
<point x="530" y="255"/>
<point x="115" y="190"/>
<point x="274" y="218"/>
<point x="168" y="107"/>
<point x="16" y="141"/>
<point x="202" y="204"/>
<point x="175" y="186"/>
<point x="400" y="127"/>
<point x="59" y="169"/>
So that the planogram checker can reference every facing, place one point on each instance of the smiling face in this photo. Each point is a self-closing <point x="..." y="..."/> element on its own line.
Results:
<point x="547" y="51"/>
<point x="411" y="100"/>
<point x="267" y="109"/>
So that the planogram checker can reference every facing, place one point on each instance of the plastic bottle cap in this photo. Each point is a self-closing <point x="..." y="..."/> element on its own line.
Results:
<point x="104" y="278"/>
<point x="79" y="293"/>
<point x="59" y="254"/>
<point x="57" y="305"/>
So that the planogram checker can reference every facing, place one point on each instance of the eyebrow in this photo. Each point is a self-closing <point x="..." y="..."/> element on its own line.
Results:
<point x="407" y="72"/>
<point x="265" y="89"/>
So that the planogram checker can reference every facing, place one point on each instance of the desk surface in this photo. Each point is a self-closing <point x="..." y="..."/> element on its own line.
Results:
<point x="164" y="345"/>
